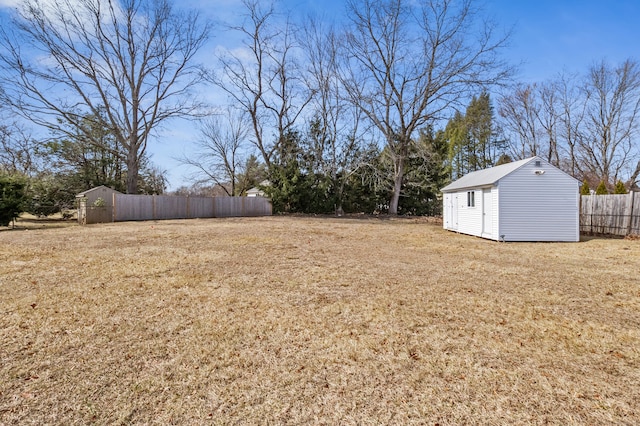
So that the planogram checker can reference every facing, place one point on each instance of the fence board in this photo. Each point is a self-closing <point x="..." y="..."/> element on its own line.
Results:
<point x="127" y="207"/>
<point x="241" y="206"/>
<point x="614" y="214"/>
<point x="169" y="207"/>
<point x="132" y="207"/>
<point x="200" y="207"/>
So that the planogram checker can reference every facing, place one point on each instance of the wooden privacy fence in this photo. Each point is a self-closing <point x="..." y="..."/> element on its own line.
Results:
<point x="614" y="214"/>
<point x="128" y="207"/>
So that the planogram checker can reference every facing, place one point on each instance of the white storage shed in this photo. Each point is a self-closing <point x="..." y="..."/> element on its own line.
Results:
<point x="526" y="200"/>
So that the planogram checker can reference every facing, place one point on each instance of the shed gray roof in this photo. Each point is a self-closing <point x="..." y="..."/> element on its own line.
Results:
<point x="487" y="176"/>
<point x="83" y="193"/>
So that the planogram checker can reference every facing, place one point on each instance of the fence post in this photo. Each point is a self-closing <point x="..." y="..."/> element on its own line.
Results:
<point x="630" y="212"/>
<point x="113" y="207"/>
<point x="593" y="208"/>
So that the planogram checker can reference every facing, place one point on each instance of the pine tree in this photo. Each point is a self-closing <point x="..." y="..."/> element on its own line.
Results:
<point x="472" y="140"/>
<point x="457" y="137"/>
<point x="602" y="189"/>
<point x="503" y="159"/>
<point x="479" y="123"/>
<point x="619" y="188"/>
<point x="12" y="197"/>
<point x="584" y="189"/>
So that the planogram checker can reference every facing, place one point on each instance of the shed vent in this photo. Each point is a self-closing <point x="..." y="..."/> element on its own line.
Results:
<point x="538" y="163"/>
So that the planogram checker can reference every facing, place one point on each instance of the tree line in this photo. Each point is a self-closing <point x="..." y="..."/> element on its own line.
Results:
<point x="372" y="114"/>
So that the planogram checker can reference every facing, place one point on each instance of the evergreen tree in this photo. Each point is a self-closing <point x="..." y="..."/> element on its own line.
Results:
<point x="602" y="189"/>
<point x="619" y="188"/>
<point x="427" y="173"/>
<point x="90" y="161"/>
<point x="291" y="189"/>
<point x="367" y="190"/>
<point x="480" y="149"/>
<point x="253" y="174"/>
<point x="503" y="159"/>
<point x="473" y="144"/>
<point x="458" y="140"/>
<point x="83" y="162"/>
<point x="584" y="189"/>
<point x="49" y="193"/>
<point x="12" y="197"/>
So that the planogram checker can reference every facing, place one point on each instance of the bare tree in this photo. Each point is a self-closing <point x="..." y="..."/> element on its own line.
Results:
<point x="548" y="117"/>
<point x="334" y="141"/>
<point x="130" y="62"/>
<point x="218" y="156"/>
<point x="263" y="78"/>
<point x="19" y="152"/>
<point x="611" y="119"/>
<point x="571" y="116"/>
<point x="530" y="117"/>
<point x="412" y="61"/>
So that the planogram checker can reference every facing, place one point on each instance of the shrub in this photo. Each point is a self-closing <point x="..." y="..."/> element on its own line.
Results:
<point x="601" y="189"/>
<point x="12" y="197"/>
<point x="620" y="189"/>
<point x="584" y="189"/>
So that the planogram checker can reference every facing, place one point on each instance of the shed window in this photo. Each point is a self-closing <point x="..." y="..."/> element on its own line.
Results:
<point x="471" y="199"/>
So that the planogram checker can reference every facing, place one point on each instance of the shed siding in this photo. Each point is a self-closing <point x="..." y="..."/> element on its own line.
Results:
<point x="539" y="207"/>
<point x="470" y="218"/>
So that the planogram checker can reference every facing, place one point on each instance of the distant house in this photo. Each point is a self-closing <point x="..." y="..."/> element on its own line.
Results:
<point x="527" y="200"/>
<point x="256" y="191"/>
<point x="96" y="205"/>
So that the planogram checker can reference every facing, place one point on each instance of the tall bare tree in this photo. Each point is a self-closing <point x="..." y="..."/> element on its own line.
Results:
<point x="530" y="116"/>
<point x="611" y="120"/>
<point x="548" y="117"/>
<point x="219" y="152"/>
<point x="334" y="142"/>
<point x="19" y="152"/>
<point x="262" y="77"/>
<point x="412" y="61"/>
<point x="131" y="62"/>
<point x="571" y="112"/>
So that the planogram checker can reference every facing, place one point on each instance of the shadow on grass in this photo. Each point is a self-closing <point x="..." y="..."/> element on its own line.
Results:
<point x="592" y="237"/>
<point x="365" y="217"/>
<point x="32" y="223"/>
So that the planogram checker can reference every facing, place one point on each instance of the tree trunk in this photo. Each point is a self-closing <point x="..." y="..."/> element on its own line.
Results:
<point x="132" y="172"/>
<point x="397" y="185"/>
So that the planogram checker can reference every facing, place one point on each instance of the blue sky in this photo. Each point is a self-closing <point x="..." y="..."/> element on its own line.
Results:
<point x="555" y="35"/>
<point x="549" y="36"/>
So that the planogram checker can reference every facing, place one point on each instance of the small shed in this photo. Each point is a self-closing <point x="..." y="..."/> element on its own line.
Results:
<point x="526" y="200"/>
<point x="95" y="205"/>
<point x="256" y="191"/>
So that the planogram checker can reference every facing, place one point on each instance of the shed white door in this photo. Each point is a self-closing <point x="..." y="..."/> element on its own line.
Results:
<point x="453" y="212"/>
<point x="487" y="213"/>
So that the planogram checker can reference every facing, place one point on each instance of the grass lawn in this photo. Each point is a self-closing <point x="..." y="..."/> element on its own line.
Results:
<point x="302" y="320"/>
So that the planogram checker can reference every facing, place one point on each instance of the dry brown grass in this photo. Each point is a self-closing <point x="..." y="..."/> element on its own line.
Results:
<point x="298" y="320"/>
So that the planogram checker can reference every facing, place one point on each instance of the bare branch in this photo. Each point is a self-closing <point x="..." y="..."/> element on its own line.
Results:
<point x="131" y="63"/>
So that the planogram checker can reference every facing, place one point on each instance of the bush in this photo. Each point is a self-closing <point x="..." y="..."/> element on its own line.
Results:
<point x="49" y="194"/>
<point x="584" y="189"/>
<point x="620" y="189"/>
<point x="12" y="197"/>
<point x="601" y="189"/>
